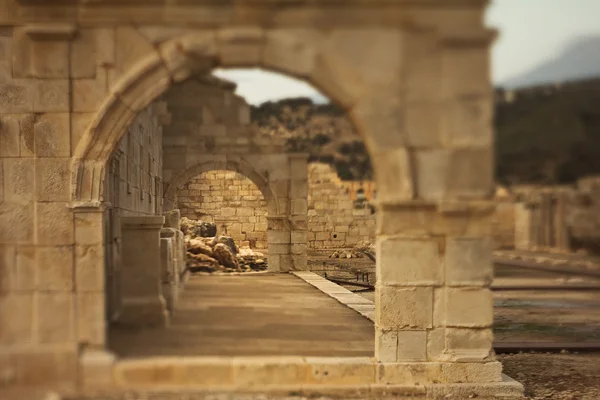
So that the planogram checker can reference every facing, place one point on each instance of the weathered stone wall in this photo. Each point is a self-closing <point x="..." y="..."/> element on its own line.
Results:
<point x="238" y="208"/>
<point x="132" y="188"/>
<point x="133" y="183"/>
<point x="231" y="201"/>
<point x="333" y="221"/>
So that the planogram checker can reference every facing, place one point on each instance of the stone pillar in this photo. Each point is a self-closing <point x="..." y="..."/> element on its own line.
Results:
<point x="299" y="211"/>
<point x="142" y="300"/>
<point x="523" y="226"/>
<point x="170" y="274"/>
<point x="279" y="243"/>
<point x="173" y="221"/>
<point x="434" y="171"/>
<point x="561" y="230"/>
<point x="90" y="274"/>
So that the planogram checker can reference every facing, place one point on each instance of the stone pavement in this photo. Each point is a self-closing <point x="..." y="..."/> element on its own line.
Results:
<point x="252" y="315"/>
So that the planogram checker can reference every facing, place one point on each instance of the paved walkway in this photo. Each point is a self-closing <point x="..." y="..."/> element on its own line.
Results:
<point x="249" y="315"/>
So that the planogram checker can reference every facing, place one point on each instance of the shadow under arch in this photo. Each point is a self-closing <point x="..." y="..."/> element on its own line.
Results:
<point x="175" y="61"/>
<point x="240" y="166"/>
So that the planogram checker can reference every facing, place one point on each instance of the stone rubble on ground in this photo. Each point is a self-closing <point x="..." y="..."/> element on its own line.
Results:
<point x="217" y="253"/>
<point x="357" y="251"/>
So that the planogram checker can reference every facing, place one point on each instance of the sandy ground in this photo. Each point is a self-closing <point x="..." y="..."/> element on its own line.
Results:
<point x="555" y="376"/>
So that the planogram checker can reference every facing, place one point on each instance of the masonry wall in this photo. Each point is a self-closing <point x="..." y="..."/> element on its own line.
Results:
<point x="132" y="188"/>
<point x="230" y="200"/>
<point x="333" y="221"/>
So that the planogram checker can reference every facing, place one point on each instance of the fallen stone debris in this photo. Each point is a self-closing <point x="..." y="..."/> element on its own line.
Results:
<point x="212" y="254"/>
<point x="361" y="250"/>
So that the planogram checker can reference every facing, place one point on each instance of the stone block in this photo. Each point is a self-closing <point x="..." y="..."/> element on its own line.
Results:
<point x="409" y="373"/>
<point x="40" y="58"/>
<point x="471" y="372"/>
<point x="54" y="224"/>
<point x="424" y="125"/>
<point x="42" y="367"/>
<point x="26" y="270"/>
<point x="469" y="307"/>
<point x="89" y="228"/>
<point x="340" y="371"/>
<point x="10" y="132"/>
<point x="299" y="207"/>
<point x="52" y="135"/>
<point x="51" y="95"/>
<point x="386" y="345"/>
<point x="278" y="237"/>
<point x="16" y="318"/>
<point x="83" y="54"/>
<point x="241" y="46"/>
<point x="412" y="346"/>
<point x="97" y="368"/>
<point x="53" y="179"/>
<point x="18" y="180"/>
<point x="17" y="96"/>
<point x="403" y="308"/>
<point x="255" y="372"/>
<point x="470" y="173"/>
<point x="299" y="262"/>
<point x="130" y="47"/>
<point x="469" y="122"/>
<point x="55" y="316"/>
<point x="468" y="261"/>
<point x="408" y="262"/>
<point x="431" y="171"/>
<point x="89" y="268"/>
<point x="16" y="223"/>
<point x="298" y="189"/>
<point x="299" y="236"/>
<point x="468" y="345"/>
<point x="91" y="318"/>
<point x="88" y="94"/>
<point x="55" y="268"/>
<point x="300" y="61"/>
<point x="466" y="72"/>
<point x="395" y="175"/>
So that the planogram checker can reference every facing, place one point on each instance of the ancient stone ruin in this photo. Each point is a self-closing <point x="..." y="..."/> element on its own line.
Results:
<point x="109" y="109"/>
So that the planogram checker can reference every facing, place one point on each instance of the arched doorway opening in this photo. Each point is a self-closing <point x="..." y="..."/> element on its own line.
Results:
<point x="230" y="201"/>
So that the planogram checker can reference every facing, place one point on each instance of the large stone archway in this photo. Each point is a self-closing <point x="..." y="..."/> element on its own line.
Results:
<point x="414" y="78"/>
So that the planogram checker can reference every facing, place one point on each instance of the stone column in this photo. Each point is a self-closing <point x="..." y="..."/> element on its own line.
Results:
<point x="90" y="274"/>
<point x="142" y="300"/>
<point x="560" y="222"/>
<point x="279" y="243"/>
<point x="299" y="211"/>
<point x="523" y="226"/>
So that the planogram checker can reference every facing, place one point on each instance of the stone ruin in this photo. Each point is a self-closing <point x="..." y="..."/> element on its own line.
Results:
<point x="107" y="109"/>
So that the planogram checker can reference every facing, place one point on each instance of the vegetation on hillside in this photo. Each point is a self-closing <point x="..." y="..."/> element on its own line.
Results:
<point x="545" y="136"/>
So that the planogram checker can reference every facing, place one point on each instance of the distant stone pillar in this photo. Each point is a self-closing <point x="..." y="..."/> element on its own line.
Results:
<point x="560" y="223"/>
<point x="279" y="243"/>
<point x="141" y="276"/>
<point x="523" y="228"/>
<point x="298" y="211"/>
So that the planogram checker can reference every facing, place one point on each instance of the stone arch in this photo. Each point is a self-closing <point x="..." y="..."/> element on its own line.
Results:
<point x="240" y="166"/>
<point x="198" y="53"/>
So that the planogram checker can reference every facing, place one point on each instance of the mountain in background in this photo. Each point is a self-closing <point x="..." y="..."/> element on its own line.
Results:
<point x="580" y="60"/>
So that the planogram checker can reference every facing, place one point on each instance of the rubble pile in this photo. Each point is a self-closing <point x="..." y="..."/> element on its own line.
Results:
<point x="217" y="253"/>
<point x="358" y="251"/>
<point x="196" y="228"/>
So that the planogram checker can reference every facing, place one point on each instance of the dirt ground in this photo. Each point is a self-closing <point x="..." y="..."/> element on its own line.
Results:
<point x="555" y="376"/>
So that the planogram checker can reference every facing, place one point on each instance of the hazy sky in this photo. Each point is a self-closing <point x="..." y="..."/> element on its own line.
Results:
<point x="531" y="32"/>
